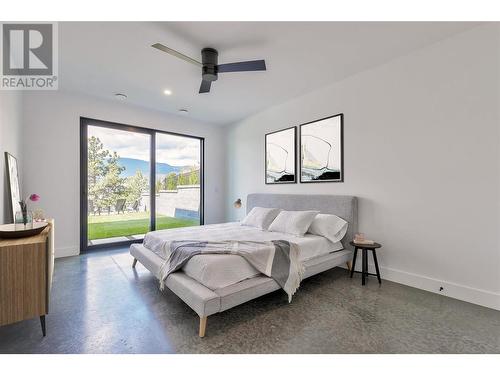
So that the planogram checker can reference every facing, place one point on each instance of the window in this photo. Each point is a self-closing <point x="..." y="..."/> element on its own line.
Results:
<point x="123" y="196"/>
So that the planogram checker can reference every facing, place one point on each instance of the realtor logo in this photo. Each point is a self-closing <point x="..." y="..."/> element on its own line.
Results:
<point x="29" y="56"/>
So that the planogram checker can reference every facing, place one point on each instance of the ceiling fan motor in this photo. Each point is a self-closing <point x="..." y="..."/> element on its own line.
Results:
<point x="209" y="59"/>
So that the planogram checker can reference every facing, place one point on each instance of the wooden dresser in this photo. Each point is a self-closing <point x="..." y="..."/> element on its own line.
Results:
<point x="26" y="268"/>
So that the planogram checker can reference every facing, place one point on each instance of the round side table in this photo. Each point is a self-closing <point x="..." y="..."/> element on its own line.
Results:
<point x="364" y="260"/>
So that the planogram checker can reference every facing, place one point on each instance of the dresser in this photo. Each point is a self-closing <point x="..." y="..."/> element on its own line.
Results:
<point x="26" y="268"/>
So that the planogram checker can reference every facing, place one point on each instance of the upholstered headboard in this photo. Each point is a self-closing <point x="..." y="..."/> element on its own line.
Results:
<point x="344" y="206"/>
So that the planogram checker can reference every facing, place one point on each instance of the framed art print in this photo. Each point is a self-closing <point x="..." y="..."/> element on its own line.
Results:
<point x="281" y="166"/>
<point x="321" y="150"/>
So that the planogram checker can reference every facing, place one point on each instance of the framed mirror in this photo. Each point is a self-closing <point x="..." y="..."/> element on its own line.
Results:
<point x="13" y="184"/>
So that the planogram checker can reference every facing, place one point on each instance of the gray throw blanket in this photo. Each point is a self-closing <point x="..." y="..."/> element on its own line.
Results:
<point x="276" y="259"/>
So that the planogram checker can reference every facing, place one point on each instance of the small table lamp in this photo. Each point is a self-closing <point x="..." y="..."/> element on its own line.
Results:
<point x="237" y="203"/>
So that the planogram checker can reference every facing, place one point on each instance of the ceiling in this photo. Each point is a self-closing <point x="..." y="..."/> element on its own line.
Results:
<point x="104" y="58"/>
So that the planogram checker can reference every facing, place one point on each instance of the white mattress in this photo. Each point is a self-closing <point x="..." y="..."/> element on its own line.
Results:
<point x="217" y="271"/>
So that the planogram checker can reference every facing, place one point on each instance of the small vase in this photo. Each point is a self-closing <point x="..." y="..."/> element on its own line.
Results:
<point x="24" y="220"/>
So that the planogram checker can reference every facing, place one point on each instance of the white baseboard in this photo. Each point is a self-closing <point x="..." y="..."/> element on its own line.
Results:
<point x="465" y="293"/>
<point x="69" y="251"/>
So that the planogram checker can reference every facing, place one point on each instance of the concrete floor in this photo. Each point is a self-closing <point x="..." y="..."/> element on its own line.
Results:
<point x="101" y="305"/>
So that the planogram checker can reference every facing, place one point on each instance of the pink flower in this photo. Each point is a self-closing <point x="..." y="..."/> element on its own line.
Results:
<point x="34" y="197"/>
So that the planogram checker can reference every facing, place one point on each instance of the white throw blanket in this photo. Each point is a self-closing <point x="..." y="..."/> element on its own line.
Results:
<point x="276" y="259"/>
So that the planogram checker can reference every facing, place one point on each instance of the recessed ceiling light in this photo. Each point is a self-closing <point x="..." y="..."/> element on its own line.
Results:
<point x="120" y="96"/>
<point x="167" y="92"/>
<point x="183" y="111"/>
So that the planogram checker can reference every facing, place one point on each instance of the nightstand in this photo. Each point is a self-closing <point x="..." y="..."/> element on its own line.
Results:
<point x="364" y="259"/>
<point x="26" y="266"/>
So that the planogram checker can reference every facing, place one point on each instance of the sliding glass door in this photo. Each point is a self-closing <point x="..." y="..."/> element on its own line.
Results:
<point x="123" y="196"/>
<point x="178" y="187"/>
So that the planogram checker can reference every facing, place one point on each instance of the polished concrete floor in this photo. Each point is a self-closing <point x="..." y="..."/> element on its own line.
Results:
<point x="101" y="305"/>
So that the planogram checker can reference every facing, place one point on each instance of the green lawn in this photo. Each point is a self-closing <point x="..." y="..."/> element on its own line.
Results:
<point x="106" y="226"/>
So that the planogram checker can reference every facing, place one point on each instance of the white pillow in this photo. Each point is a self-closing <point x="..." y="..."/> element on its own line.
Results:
<point x="330" y="226"/>
<point x="260" y="217"/>
<point x="293" y="222"/>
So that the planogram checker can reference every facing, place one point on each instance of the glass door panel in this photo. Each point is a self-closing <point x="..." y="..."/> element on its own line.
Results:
<point x="178" y="181"/>
<point x="118" y="188"/>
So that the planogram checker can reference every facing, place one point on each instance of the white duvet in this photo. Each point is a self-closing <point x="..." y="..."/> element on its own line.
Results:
<point x="217" y="271"/>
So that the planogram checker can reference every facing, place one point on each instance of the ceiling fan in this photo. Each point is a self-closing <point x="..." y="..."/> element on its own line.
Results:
<point x="210" y="67"/>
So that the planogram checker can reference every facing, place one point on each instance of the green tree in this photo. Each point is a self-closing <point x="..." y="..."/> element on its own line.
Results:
<point x="96" y="170"/>
<point x="171" y="181"/>
<point x="135" y="186"/>
<point x="194" y="177"/>
<point x="105" y="184"/>
<point x="112" y="185"/>
<point x="158" y="186"/>
<point x="189" y="177"/>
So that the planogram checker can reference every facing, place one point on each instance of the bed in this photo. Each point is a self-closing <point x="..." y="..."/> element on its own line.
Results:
<point x="212" y="283"/>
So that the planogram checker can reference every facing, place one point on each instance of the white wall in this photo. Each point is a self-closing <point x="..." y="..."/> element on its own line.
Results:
<point x="10" y="141"/>
<point x="421" y="151"/>
<point x="51" y="152"/>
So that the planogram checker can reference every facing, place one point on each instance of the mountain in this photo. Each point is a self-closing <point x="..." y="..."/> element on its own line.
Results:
<point x="132" y="165"/>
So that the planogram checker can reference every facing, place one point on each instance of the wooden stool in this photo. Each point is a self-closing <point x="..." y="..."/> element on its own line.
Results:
<point x="364" y="265"/>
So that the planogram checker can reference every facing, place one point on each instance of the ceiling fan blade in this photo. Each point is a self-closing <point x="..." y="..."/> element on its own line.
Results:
<point x="242" y="66"/>
<point x="205" y="86"/>
<point x="173" y="52"/>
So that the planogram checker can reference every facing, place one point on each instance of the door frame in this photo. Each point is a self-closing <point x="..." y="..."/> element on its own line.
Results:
<point x="84" y="124"/>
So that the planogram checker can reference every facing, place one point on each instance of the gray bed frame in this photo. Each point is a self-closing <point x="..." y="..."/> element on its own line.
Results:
<point x="205" y="301"/>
